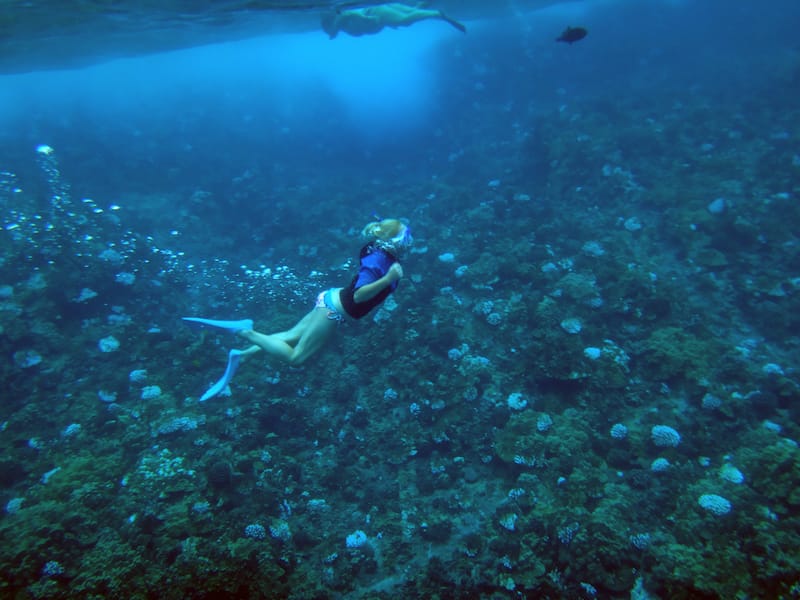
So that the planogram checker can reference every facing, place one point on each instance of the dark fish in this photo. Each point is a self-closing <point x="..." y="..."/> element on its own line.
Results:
<point x="572" y="34"/>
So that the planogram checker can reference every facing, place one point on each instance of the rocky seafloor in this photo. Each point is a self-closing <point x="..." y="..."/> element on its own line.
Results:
<point x="586" y="386"/>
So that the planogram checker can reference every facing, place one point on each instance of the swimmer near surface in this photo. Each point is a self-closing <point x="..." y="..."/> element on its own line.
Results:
<point x="373" y="19"/>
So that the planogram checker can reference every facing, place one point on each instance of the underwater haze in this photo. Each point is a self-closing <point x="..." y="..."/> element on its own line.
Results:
<point x="586" y="384"/>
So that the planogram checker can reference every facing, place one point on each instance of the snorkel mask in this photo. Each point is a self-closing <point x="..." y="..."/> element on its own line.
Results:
<point x="403" y="239"/>
<point x="398" y="244"/>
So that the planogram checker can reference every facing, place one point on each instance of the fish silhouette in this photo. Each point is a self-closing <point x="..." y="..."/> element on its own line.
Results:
<point x="572" y="34"/>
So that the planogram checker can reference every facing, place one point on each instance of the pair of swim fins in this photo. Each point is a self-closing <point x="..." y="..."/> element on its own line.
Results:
<point x="233" y="355"/>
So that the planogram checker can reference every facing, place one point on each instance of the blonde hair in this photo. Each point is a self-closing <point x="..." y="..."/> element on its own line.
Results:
<point x="383" y="230"/>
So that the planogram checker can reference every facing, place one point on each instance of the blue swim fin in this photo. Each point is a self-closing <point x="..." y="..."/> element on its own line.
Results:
<point x="229" y="325"/>
<point x="230" y="370"/>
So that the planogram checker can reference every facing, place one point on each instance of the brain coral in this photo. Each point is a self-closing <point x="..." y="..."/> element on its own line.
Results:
<point x="715" y="504"/>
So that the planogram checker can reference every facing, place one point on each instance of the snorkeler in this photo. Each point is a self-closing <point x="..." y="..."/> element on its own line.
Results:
<point x="378" y="274"/>
<point x="372" y="19"/>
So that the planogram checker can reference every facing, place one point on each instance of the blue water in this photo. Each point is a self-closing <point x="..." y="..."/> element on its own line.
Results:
<point x="605" y="243"/>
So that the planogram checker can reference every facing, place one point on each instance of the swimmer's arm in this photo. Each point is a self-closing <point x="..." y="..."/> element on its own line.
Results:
<point x="369" y="291"/>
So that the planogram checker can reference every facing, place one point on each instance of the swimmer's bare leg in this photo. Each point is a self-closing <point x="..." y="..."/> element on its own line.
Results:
<point x="458" y="25"/>
<point x="318" y="328"/>
<point x="293" y="335"/>
<point x="316" y="335"/>
<point x="249" y="351"/>
<point x="271" y="344"/>
<point x="402" y="15"/>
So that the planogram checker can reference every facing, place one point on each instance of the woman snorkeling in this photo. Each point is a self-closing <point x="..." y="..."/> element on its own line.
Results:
<point x="373" y="19"/>
<point x="378" y="275"/>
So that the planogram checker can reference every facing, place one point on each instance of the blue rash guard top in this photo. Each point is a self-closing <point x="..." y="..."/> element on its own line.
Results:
<point x="374" y="263"/>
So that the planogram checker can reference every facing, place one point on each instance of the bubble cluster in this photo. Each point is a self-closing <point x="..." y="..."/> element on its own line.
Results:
<point x="59" y="240"/>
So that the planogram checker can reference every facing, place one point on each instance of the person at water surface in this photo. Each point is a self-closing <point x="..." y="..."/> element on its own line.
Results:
<point x="378" y="275"/>
<point x="373" y="19"/>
